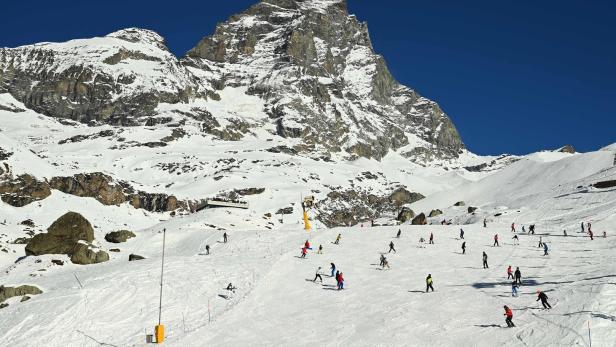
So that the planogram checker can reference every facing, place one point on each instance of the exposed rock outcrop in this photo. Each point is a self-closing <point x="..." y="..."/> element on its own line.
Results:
<point x="435" y="213"/>
<point x="119" y="236"/>
<point x="23" y="190"/>
<point x="420" y="220"/>
<point x="405" y="215"/>
<point x="9" y="292"/>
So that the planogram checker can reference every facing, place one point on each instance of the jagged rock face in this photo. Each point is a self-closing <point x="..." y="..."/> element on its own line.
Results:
<point x="309" y="64"/>
<point x="96" y="185"/>
<point x="321" y="79"/>
<point x="114" y="79"/>
<point x="23" y="190"/>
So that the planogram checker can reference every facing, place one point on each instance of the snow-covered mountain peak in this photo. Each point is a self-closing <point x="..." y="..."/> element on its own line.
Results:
<point x="138" y="35"/>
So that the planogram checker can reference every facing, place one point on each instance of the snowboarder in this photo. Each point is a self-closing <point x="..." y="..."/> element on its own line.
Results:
<point x="304" y="251"/>
<point x="509" y="272"/>
<point x="518" y="275"/>
<point x="333" y="269"/>
<point x="513" y="227"/>
<point x="398" y="234"/>
<point x="540" y="242"/>
<point x="320" y="251"/>
<point x="545" y="249"/>
<point x="509" y="318"/>
<point x="224" y="237"/>
<point x="464" y="247"/>
<point x="485" y="223"/>
<point x="231" y="288"/>
<point x="207" y="249"/>
<point x="495" y="240"/>
<point x="429" y="283"/>
<point x="318" y="275"/>
<point x="485" y="260"/>
<point x="431" y="239"/>
<point x="516" y="241"/>
<point x="544" y="299"/>
<point x="337" y="239"/>
<point x="391" y="247"/>
<point x="514" y="289"/>
<point x="461" y="234"/>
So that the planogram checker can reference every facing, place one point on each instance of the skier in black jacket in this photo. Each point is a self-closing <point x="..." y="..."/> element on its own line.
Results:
<point x="544" y="300"/>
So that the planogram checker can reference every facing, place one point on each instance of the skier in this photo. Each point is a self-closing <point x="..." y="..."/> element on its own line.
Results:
<point x="429" y="283"/>
<point x="340" y="281"/>
<point x="318" y="275"/>
<point x="513" y="227"/>
<point x="588" y="225"/>
<point x="590" y="234"/>
<point x="518" y="275"/>
<point x="495" y="240"/>
<point x="509" y="318"/>
<point x="304" y="251"/>
<point x="461" y="234"/>
<point x="583" y="227"/>
<point x="485" y="260"/>
<point x="231" y="288"/>
<point x="540" y="242"/>
<point x="485" y="223"/>
<point x="523" y="229"/>
<point x="464" y="247"/>
<point x="514" y="289"/>
<point x="333" y="269"/>
<point x="398" y="234"/>
<point x="604" y="235"/>
<point x="564" y="232"/>
<point x="385" y="263"/>
<point x="531" y="229"/>
<point x="516" y="241"/>
<point x="431" y="239"/>
<point x="224" y="237"/>
<point x="391" y="247"/>
<point x="509" y="272"/>
<point x="307" y="245"/>
<point x="207" y="249"/>
<point x="544" y="299"/>
<point x="320" y="250"/>
<point x="382" y="260"/>
<point x="337" y="239"/>
<point x="545" y="249"/>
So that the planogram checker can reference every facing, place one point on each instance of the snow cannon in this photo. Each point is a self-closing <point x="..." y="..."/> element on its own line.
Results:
<point x="159" y="332"/>
<point x="307" y="203"/>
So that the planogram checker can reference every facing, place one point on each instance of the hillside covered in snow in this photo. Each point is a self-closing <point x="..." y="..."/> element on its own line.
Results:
<point x="106" y="142"/>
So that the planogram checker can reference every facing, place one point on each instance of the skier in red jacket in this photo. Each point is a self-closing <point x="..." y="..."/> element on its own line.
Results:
<point x="307" y="245"/>
<point x="509" y="318"/>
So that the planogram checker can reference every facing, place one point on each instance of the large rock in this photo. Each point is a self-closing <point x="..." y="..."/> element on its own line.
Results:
<point x="420" y="220"/>
<point x="94" y="185"/>
<point x="119" y="236"/>
<point x="134" y="257"/>
<point x="402" y="196"/>
<point x="9" y="292"/>
<point x="471" y="209"/>
<point x="435" y="213"/>
<point x="23" y="190"/>
<point x="405" y="215"/>
<point x="70" y="234"/>
<point x="459" y="203"/>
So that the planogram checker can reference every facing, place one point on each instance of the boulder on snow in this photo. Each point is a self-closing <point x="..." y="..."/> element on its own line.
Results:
<point x="459" y="203"/>
<point x="286" y="210"/>
<point x="405" y="215"/>
<point x="134" y="257"/>
<point x="70" y="234"/>
<point x="402" y="196"/>
<point x="420" y="220"/>
<point x="3" y="305"/>
<point x="57" y="262"/>
<point x="471" y="209"/>
<point x="435" y="213"/>
<point x="9" y="292"/>
<point x="24" y="298"/>
<point x="115" y="250"/>
<point x="119" y="236"/>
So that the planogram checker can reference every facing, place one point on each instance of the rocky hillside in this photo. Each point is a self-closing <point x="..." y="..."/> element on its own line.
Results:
<point x="307" y="69"/>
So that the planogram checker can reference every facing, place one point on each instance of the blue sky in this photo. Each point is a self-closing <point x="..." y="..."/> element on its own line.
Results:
<point x="515" y="77"/>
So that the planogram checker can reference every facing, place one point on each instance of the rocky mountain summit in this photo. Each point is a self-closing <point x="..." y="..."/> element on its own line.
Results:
<point x="307" y="69"/>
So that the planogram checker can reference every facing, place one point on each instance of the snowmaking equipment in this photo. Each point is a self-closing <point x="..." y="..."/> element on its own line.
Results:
<point x="159" y="330"/>
<point x="307" y="202"/>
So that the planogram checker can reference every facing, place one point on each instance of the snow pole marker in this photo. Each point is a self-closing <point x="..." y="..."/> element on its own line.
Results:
<point x="78" y="281"/>
<point x="589" y="338"/>
<point x="159" y="330"/>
